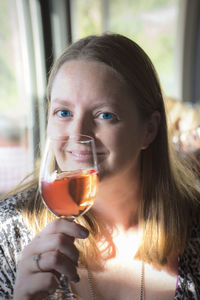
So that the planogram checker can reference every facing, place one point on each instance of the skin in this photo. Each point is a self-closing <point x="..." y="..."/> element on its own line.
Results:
<point x="58" y="255"/>
<point x="90" y="98"/>
<point x="96" y="103"/>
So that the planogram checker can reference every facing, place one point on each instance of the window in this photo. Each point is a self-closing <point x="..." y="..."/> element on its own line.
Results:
<point x="86" y="18"/>
<point x="152" y="24"/>
<point x="15" y="158"/>
<point x="20" y="85"/>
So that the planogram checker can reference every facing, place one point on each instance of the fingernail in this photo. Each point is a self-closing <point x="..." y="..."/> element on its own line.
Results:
<point x="84" y="232"/>
<point x="51" y="291"/>
<point x="77" y="278"/>
<point x="76" y="263"/>
<point x="57" y="280"/>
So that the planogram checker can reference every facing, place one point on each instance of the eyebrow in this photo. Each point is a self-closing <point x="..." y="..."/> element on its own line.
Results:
<point x="61" y="101"/>
<point x="96" y="105"/>
<point x="105" y="104"/>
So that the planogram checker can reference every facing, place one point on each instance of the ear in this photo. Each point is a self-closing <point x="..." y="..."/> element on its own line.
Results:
<point x="151" y="129"/>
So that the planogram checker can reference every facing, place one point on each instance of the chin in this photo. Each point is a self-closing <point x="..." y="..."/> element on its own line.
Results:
<point x="107" y="172"/>
<point x="104" y="171"/>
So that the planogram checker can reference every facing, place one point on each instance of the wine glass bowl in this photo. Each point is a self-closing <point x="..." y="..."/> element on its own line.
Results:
<point x="69" y="176"/>
<point x="71" y="194"/>
<point x="68" y="182"/>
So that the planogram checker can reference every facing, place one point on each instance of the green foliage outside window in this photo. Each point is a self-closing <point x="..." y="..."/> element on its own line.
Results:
<point x="152" y="24"/>
<point x="138" y="20"/>
<point x="8" y="84"/>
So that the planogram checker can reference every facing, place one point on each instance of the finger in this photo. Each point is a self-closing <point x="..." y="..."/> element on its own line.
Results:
<point x="52" y="242"/>
<point x="64" y="226"/>
<point x="38" y="285"/>
<point x="56" y="261"/>
<point x="52" y="261"/>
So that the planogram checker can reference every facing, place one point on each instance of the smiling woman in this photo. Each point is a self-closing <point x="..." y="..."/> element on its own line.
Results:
<point x="100" y="107"/>
<point x="144" y="223"/>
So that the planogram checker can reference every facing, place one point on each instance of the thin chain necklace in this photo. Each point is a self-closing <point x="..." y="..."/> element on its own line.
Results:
<point x="91" y="284"/>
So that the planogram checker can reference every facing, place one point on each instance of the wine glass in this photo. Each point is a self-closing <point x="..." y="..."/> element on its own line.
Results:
<point x="68" y="184"/>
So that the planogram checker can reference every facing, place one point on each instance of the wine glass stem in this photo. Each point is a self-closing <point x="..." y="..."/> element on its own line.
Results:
<point x="64" y="284"/>
<point x="63" y="292"/>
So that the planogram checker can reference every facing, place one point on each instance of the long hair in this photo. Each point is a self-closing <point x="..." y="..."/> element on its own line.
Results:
<point x="169" y="193"/>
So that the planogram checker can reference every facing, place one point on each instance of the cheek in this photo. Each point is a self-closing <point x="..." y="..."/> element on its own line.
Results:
<point x="110" y="137"/>
<point x="127" y="146"/>
<point x="55" y="128"/>
<point x="121" y="142"/>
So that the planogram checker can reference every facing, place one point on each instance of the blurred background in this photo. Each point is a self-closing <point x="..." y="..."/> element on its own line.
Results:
<point x="34" y="32"/>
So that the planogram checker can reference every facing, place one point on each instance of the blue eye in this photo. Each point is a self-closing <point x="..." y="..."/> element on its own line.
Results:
<point x="107" y="116"/>
<point x="64" y="113"/>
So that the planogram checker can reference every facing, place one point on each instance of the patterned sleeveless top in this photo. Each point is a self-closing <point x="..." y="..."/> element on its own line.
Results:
<point x="14" y="236"/>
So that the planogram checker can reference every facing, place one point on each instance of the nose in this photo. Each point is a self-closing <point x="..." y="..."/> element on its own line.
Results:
<point x="82" y="125"/>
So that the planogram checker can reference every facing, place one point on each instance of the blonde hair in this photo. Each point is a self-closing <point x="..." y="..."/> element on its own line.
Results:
<point x="169" y="191"/>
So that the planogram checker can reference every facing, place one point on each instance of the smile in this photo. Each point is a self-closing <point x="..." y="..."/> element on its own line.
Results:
<point x="81" y="155"/>
<point x="84" y="155"/>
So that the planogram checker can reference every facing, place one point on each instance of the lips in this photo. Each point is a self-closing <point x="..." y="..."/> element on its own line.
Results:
<point x="83" y="155"/>
<point x="80" y="154"/>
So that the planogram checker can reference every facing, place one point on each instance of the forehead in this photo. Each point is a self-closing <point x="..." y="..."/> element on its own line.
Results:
<point x="90" y="80"/>
<point x="75" y="69"/>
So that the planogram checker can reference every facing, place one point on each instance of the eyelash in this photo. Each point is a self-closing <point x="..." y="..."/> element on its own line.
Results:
<point x="113" y="116"/>
<point x="110" y="116"/>
<point x="59" y="112"/>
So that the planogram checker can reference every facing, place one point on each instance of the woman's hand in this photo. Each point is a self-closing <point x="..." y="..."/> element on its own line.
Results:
<point x="56" y="255"/>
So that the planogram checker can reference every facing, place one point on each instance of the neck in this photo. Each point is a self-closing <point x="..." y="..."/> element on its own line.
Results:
<point x="118" y="201"/>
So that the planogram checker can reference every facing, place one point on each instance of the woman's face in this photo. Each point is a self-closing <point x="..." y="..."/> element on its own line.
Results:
<point x="89" y="98"/>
